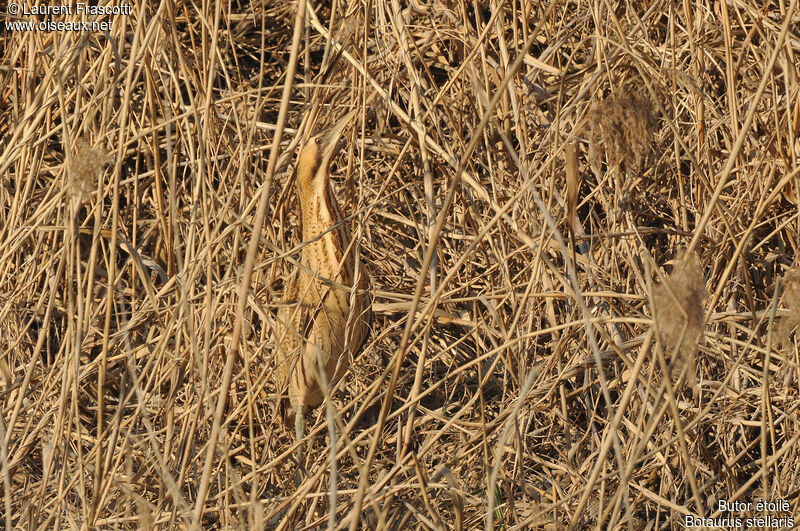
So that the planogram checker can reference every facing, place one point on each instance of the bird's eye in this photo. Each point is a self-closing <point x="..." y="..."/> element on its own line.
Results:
<point x="318" y="141"/>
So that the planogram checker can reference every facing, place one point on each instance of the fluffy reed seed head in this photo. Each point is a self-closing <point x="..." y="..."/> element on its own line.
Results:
<point x="679" y="312"/>
<point x="85" y="166"/>
<point x="621" y="130"/>
<point x="791" y="301"/>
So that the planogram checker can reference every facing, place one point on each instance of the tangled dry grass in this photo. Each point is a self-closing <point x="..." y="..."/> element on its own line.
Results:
<point x="512" y="377"/>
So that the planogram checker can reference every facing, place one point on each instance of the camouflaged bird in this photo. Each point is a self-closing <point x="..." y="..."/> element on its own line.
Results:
<point x="323" y="321"/>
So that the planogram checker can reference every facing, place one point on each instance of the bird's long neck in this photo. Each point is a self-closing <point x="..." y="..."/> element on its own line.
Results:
<point x="326" y="238"/>
<point x="320" y="211"/>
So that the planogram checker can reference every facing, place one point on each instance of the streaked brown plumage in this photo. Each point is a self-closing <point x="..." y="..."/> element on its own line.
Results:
<point x="323" y="321"/>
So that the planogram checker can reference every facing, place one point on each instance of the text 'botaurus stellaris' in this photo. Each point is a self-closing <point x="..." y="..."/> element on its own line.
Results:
<point x="323" y="321"/>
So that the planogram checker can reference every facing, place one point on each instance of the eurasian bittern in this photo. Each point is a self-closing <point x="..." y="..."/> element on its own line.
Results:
<point x="326" y="309"/>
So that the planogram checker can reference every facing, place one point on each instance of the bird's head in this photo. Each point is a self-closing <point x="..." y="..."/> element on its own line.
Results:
<point x="313" y="164"/>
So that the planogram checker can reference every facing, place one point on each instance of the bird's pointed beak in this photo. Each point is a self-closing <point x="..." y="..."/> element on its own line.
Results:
<point x="331" y="139"/>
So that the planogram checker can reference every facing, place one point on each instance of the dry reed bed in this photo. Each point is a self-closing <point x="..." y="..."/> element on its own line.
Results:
<point x="533" y="387"/>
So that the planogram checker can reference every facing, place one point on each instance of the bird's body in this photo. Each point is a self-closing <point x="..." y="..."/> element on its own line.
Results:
<point x="323" y="321"/>
<point x="319" y="317"/>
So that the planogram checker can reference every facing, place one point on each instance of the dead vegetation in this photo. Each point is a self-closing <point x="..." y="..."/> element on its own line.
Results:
<point x="513" y="377"/>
